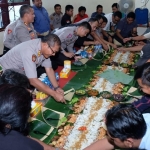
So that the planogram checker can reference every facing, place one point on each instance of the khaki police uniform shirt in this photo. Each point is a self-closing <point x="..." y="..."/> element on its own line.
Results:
<point x="55" y="20"/>
<point x="26" y="57"/>
<point x="9" y="39"/>
<point x="24" y="32"/>
<point x="68" y="37"/>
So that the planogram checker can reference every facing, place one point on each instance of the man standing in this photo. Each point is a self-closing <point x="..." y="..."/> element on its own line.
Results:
<point x="99" y="11"/>
<point x="55" y="18"/>
<point x="66" y="19"/>
<point x="27" y="56"/>
<point x="21" y="30"/>
<point x="41" y="21"/>
<point x="81" y="14"/>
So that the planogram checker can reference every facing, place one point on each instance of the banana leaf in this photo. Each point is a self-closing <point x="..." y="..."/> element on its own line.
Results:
<point x="52" y="117"/>
<point x="39" y="129"/>
<point x="115" y="76"/>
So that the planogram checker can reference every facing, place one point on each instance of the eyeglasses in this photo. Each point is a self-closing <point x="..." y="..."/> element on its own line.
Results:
<point x="53" y="52"/>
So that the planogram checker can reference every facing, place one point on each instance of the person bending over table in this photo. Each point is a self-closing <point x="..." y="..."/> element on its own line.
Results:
<point x="68" y="36"/>
<point x="127" y="27"/>
<point x="93" y="38"/>
<point x="112" y="21"/>
<point x="126" y="128"/>
<point x="15" y="107"/>
<point x="142" y="76"/>
<point x="27" y="56"/>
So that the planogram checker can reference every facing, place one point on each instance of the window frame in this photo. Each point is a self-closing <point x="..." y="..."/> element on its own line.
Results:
<point x="4" y="5"/>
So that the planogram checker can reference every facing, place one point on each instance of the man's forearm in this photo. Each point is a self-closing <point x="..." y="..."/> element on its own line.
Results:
<point x="119" y="35"/>
<point x="135" y="48"/>
<point x="51" y="75"/>
<point x="105" y="33"/>
<point x="41" y="86"/>
<point x="87" y="43"/>
<point x="138" y="38"/>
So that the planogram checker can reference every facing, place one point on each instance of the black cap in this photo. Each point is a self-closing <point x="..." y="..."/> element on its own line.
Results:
<point x="145" y="55"/>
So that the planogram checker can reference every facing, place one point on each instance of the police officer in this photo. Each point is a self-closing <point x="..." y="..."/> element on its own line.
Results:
<point x="55" y="18"/>
<point x="68" y="36"/>
<point x="28" y="55"/>
<point x="22" y="30"/>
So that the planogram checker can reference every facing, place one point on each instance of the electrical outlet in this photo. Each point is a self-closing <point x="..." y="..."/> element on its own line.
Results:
<point x="142" y="1"/>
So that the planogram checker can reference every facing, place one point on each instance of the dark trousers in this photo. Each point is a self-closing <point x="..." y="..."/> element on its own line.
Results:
<point x="5" y="50"/>
<point x="58" y="60"/>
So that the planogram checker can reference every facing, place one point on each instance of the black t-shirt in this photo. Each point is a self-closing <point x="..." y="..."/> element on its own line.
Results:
<point x="66" y="20"/>
<point x="16" y="141"/>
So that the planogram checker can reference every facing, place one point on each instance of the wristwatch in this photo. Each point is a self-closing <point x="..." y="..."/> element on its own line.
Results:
<point x="130" y="38"/>
<point x="56" y="88"/>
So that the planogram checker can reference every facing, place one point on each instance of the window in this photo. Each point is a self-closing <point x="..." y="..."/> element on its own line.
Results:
<point x="9" y="11"/>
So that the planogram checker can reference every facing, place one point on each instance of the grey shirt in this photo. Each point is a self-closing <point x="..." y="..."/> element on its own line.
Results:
<point x="9" y="39"/>
<point x="68" y="37"/>
<point x="25" y="57"/>
<point x="24" y="32"/>
<point x="55" y="20"/>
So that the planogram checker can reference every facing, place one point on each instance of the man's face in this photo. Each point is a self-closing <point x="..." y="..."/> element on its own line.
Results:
<point x="121" y="144"/>
<point x="94" y="25"/>
<point x="130" y="20"/>
<point x="70" y="12"/>
<point x="30" y="15"/>
<point x="37" y="3"/>
<point x="58" y="10"/>
<point x="100" y="21"/>
<point x="103" y="25"/>
<point x="115" y="19"/>
<point x="82" y="13"/>
<point x="114" y="9"/>
<point x="99" y="10"/>
<point x="48" y="51"/>
<point x="144" y="88"/>
<point x="82" y="31"/>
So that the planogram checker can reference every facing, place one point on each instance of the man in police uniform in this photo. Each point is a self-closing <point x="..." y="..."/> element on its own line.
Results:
<point x="55" y="18"/>
<point x="22" y="30"/>
<point x="68" y="36"/>
<point x="28" y="55"/>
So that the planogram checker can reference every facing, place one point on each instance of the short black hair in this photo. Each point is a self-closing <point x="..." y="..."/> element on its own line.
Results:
<point x="13" y="77"/>
<point x="86" y="25"/>
<point x="51" y="39"/>
<point x="99" y="6"/>
<point x="81" y="8"/>
<point x="143" y="73"/>
<point x="57" y="5"/>
<point x="115" y="5"/>
<point x="98" y="17"/>
<point x="117" y="14"/>
<point x="125" y="121"/>
<point x="15" y="107"/>
<point x="131" y="15"/>
<point x="24" y="9"/>
<point x="68" y="7"/>
<point x="105" y="19"/>
<point x="93" y="20"/>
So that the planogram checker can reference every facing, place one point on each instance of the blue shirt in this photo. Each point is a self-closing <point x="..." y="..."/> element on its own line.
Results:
<point x="95" y="13"/>
<point x="126" y="28"/>
<point x="41" y="20"/>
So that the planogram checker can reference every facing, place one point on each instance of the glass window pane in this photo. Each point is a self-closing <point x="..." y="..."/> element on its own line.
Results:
<point x="15" y="1"/>
<point x="14" y="12"/>
<point x="1" y="21"/>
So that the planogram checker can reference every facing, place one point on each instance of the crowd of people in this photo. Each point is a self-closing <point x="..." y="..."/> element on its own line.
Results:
<point x="38" y="42"/>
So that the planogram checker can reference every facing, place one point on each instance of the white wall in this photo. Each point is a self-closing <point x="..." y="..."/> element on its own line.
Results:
<point x="90" y="6"/>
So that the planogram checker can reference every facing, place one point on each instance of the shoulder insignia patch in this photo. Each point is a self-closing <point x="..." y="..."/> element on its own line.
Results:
<point x="34" y="57"/>
<point x="69" y="36"/>
<point x="9" y="31"/>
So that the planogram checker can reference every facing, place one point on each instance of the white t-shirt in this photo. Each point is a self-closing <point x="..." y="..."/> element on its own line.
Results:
<point x="109" y="22"/>
<point x="145" y="143"/>
<point x="147" y="35"/>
